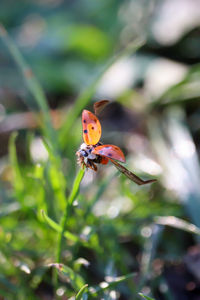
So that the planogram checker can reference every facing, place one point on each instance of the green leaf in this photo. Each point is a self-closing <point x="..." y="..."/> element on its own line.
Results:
<point x="70" y="201"/>
<point x="107" y="285"/>
<point x="80" y="262"/>
<point x="80" y="38"/>
<point x="177" y="223"/>
<point x="76" y="186"/>
<point x="72" y="196"/>
<point x="17" y="180"/>
<point x="32" y="84"/>
<point x="145" y="297"/>
<point x="81" y="292"/>
<point x="75" y="279"/>
<point x="57" y="227"/>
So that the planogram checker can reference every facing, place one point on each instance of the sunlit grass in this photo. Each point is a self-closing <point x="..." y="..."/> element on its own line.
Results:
<point x="90" y="238"/>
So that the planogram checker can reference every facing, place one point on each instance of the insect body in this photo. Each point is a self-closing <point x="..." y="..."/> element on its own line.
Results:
<point x="87" y="158"/>
<point x="93" y="152"/>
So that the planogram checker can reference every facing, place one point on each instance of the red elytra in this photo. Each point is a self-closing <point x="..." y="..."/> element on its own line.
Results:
<point x="91" y="128"/>
<point x="110" y="151"/>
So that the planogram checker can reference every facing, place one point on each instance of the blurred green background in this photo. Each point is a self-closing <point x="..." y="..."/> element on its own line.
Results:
<point x="124" y="241"/>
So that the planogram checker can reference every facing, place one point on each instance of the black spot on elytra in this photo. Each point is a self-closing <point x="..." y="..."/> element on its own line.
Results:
<point x="85" y="131"/>
<point x="110" y="154"/>
<point x="92" y="127"/>
<point x="84" y="121"/>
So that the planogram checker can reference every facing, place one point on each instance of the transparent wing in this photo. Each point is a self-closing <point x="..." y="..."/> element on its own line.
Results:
<point x="131" y="175"/>
<point x="99" y="106"/>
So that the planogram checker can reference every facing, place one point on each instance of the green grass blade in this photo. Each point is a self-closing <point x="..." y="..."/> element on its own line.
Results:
<point x="17" y="177"/>
<point x="70" y="236"/>
<point x="103" y="286"/>
<point x="81" y="292"/>
<point x="70" y="201"/>
<point x="145" y="297"/>
<point x="177" y="223"/>
<point x="75" y="279"/>
<point x="72" y="197"/>
<point x="31" y="82"/>
<point x="76" y="186"/>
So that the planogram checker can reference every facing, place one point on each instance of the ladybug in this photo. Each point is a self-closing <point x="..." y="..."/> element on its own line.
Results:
<point x="93" y="152"/>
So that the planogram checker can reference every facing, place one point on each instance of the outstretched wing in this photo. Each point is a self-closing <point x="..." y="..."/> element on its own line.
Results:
<point x="99" y="106"/>
<point x="131" y="175"/>
<point x="110" y="151"/>
<point x="91" y="128"/>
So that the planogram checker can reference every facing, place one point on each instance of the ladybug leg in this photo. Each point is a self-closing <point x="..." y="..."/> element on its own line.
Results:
<point x="80" y="160"/>
<point x="92" y="165"/>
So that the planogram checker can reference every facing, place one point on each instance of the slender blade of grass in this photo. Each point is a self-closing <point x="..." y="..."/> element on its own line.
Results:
<point x="32" y="84"/>
<point x="177" y="223"/>
<point x="107" y="285"/>
<point x="81" y="292"/>
<point x="58" y="228"/>
<point x="72" y="197"/>
<point x="145" y="297"/>
<point x="75" y="279"/>
<point x="18" y="182"/>
<point x="76" y="186"/>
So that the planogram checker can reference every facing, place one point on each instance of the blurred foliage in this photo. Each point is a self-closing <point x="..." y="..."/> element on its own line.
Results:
<point x="65" y="236"/>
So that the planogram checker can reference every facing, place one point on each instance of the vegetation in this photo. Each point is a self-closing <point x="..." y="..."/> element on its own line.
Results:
<point x="71" y="233"/>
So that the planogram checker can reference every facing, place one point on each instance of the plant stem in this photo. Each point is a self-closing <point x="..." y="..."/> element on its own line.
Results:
<point x="70" y="200"/>
<point x="32" y="84"/>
